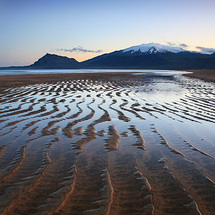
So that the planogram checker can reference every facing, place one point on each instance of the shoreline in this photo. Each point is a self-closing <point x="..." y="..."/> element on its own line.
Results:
<point x="8" y="81"/>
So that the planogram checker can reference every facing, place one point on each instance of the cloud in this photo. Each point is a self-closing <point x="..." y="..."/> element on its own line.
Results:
<point x="183" y="45"/>
<point x="206" y="50"/>
<point x="171" y="44"/>
<point x="80" y="49"/>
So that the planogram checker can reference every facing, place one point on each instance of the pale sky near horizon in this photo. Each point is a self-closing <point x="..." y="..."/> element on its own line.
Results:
<point x="83" y="29"/>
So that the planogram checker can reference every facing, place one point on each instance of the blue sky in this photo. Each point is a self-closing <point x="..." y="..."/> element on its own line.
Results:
<point x="32" y="28"/>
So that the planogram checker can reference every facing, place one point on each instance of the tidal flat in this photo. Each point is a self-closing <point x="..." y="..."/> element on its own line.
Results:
<point x="140" y="143"/>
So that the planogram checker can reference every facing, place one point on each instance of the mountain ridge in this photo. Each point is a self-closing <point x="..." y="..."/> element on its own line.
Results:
<point x="152" y="56"/>
<point x="59" y="62"/>
<point x="144" y="56"/>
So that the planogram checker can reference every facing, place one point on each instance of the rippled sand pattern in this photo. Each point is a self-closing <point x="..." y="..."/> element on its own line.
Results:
<point x="143" y="144"/>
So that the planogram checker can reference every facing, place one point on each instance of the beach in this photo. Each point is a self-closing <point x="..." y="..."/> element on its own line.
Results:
<point x="107" y="143"/>
<point x="207" y="75"/>
<point x="26" y="79"/>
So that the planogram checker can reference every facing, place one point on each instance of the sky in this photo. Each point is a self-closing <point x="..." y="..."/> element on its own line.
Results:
<point x="83" y="29"/>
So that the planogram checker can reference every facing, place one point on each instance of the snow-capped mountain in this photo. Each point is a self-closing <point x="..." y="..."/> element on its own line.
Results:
<point x="153" y="48"/>
<point x="152" y="56"/>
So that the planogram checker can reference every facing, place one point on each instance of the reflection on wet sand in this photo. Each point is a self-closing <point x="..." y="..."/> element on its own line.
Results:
<point x="139" y="144"/>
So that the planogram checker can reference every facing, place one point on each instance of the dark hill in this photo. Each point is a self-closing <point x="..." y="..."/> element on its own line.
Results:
<point x="52" y="61"/>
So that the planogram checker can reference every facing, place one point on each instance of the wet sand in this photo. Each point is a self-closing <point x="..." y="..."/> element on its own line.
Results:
<point x="107" y="144"/>
<point x="207" y="75"/>
<point x="23" y="80"/>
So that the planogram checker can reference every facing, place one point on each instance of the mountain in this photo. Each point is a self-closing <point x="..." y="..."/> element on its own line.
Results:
<point x="153" y="48"/>
<point x="52" y="61"/>
<point x="145" y="56"/>
<point x="152" y="56"/>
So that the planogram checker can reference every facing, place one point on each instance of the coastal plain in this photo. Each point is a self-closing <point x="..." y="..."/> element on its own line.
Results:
<point x="107" y="143"/>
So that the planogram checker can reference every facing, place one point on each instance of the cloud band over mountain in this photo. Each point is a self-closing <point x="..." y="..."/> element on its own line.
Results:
<point x="80" y="49"/>
<point x="183" y="45"/>
<point x="206" y="50"/>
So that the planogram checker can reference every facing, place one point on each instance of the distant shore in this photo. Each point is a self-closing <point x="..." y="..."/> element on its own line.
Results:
<point x="23" y="80"/>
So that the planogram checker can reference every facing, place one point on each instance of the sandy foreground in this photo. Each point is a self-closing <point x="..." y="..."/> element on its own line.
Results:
<point x="105" y="143"/>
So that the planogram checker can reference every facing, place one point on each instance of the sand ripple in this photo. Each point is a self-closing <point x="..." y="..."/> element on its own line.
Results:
<point x="141" y="144"/>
